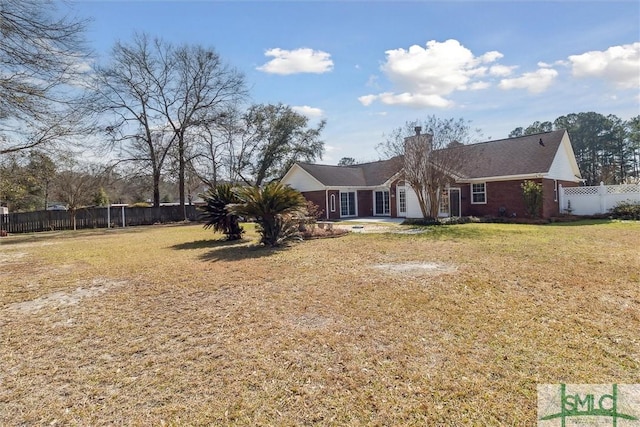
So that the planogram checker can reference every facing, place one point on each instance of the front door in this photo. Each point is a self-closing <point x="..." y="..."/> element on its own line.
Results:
<point x="454" y="202"/>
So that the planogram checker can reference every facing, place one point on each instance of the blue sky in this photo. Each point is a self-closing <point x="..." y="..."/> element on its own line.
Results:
<point x="368" y="67"/>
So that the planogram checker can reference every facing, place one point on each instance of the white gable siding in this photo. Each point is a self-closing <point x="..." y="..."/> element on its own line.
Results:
<point x="564" y="166"/>
<point x="300" y="179"/>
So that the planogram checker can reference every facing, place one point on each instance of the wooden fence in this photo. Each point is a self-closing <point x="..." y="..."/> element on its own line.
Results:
<point x="30" y="222"/>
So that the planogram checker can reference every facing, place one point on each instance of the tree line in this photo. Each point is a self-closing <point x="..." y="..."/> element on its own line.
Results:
<point x="154" y="114"/>
<point x="607" y="148"/>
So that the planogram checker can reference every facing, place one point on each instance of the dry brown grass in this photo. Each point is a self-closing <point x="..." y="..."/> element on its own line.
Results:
<point x="455" y="326"/>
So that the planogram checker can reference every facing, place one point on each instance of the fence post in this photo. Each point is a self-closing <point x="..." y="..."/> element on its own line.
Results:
<point x="561" y="207"/>
<point x="602" y="193"/>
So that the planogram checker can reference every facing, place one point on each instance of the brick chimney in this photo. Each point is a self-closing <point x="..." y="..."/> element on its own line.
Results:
<point x="424" y="139"/>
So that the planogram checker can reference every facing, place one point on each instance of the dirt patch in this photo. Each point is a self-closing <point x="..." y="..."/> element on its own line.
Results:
<point x="10" y="257"/>
<point x="62" y="299"/>
<point x="36" y="244"/>
<point x="432" y="268"/>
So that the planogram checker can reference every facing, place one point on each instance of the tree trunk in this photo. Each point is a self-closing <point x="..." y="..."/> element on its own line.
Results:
<point x="181" y="174"/>
<point x="156" y="187"/>
<point x="422" y="201"/>
<point x="434" y="203"/>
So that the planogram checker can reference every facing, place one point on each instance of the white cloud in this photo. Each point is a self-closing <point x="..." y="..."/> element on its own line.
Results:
<point x="479" y="85"/>
<point x="367" y="100"/>
<point x="373" y="81"/>
<point x="501" y="70"/>
<point x="331" y="148"/>
<point x="618" y="64"/>
<point x="302" y="60"/>
<point x="535" y="82"/>
<point x="418" y="100"/>
<point x="310" y="112"/>
<point x="491" y="56"/>
<point x="425" y="76"/>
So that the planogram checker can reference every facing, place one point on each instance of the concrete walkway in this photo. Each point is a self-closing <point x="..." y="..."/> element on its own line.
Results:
<point x="378" y="224"/>
<point x="384" y="219"/>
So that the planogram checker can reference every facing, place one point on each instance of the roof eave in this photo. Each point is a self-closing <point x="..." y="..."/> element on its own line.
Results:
<point x="503" y="178"/>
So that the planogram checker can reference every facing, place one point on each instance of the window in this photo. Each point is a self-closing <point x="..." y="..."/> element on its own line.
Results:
<point x="402" y="201"/>
<point x="348" y="204"/>
<point x="382" y="202"/>
<point x="478" y="193"/>
<point x="444" y="203"/>
<point x="332" y="203"/>
<point x="555" y="190"/>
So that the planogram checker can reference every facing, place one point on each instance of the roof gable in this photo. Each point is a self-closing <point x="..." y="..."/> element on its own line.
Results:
<point x="363" y="175"/>
<point x="564" y="166"/>
<point x="298" y="178"/>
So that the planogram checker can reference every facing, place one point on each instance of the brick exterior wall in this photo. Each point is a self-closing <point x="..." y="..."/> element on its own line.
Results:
<point x="549" y="198"/>
<point x="502" y="194"/>
<point x="508" y="195"/>
<point x="317" y="197"/>
<point x="505" y="194"/>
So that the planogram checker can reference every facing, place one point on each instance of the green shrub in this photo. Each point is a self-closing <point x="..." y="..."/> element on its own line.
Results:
<point x="421" y="221"/>
<point x="532" y="194"/>
<point x="626" y="210"/>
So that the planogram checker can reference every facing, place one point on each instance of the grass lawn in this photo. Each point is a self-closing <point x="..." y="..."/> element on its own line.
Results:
<point x="172" y="325"/>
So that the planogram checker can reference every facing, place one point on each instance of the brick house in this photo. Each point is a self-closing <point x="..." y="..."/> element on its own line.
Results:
<point x="487" y="182"/>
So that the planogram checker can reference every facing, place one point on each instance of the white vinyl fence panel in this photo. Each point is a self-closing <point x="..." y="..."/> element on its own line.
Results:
<point x="598" y="199"/>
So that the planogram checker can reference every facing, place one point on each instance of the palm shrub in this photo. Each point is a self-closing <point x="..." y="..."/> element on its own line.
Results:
<point x="216" y="212"/>
<point x="276" y="209"/>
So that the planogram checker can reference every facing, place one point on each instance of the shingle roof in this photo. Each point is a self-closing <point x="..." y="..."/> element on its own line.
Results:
<point x="362" y="175"/>
<point x="504" y="157"/>
<point x="507" y="157"/>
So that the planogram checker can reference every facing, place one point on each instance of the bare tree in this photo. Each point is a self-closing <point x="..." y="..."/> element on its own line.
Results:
<point x="151" y="85"/>
<point x="217" y="144"/>
<point x="130" y="90"/>
<point x="42" y="62"/>
<point x="206" y="87"/>
<point x="429" y="171"/>
<point x="444" y="132"/>
<point x="77" y="184"/>
<point x="430" y="160"/>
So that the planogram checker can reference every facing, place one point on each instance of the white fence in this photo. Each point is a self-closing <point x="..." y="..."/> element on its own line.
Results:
<point x="597" y="199"/>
